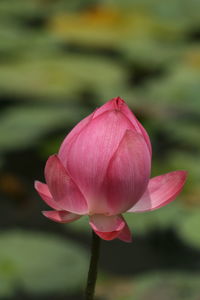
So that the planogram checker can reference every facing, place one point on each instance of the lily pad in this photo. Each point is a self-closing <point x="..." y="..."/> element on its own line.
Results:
<point x="21" y="126"/>
<point x="59" y="76"/>
<point x="39" y="263"/>
<point x="165" y="286"/>
<point x="189" y="229"/>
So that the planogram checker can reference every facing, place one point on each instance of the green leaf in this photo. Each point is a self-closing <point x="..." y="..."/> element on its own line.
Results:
<point x="12" y="9"/>
<point x="60" y="76"/>
<point x="19" y="42"/>
<point x="40" y="263"/>
<point x="165" y="286"/>
<point x="181" y="86"/>
<point x="189" y="228"/>
<point x="23" y="125"/>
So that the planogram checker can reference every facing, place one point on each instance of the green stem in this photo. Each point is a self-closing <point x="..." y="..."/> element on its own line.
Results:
<point x="92" y="273"/>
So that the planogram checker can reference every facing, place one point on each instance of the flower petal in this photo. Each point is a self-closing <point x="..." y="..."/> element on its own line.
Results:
<point x="90" y="153"/>
<point x="161" y="190"/>
<point x="108" y="228"/>
<point x="128" y="173"/>
<point x="45" y="194"/>
<point x="63" y="152"/>
<point x="63" y="188"/>
<point x="125" y="235"/>
<point x="138" y="126"/>
<point x="107" y="236"/>
<point x="145" y="135"/>
<point x="61" y="216"/>
<point x="113" y="104"/>
<point x="119" y="104"/>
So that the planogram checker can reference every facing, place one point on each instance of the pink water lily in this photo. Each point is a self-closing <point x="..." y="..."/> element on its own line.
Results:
<point x="103" y="170"/>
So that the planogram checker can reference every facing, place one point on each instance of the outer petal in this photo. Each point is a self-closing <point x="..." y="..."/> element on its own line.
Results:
<point x="138" y="126"/>
<point x="114" y="104"/>
<point x="161" y="190"/>
<point x="61" y="216"/>
<point x="128" y="173"/>
<point x="108" y="228"/>
<point x="45" y="194"/>
<point x="125" y="235"/>
<point x="145" y="135"/>
<point x="63" y="152"/>
<point x="63" y="188"/>
<point x="90" y="153"/>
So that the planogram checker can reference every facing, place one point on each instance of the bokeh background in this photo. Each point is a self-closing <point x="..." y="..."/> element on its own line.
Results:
<point x="59" y="60"/>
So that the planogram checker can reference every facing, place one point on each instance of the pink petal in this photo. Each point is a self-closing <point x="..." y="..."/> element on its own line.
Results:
<point x="113" y="104"/>
<point x="106" y="223"/>
<point x="63" y="188"/>
<point x="128" y="173"/>
<point x="107" y="236"/>
<point x="146" y="136"/>
<point x="119" y="104"/>
<point x="108" y="228"/>
<point x="138" y="126"/>
<point x="90" y="153"/>
<point x="161" y="190"/>
<point x="125" y="235"/>
<point x="61" y="216"/>
<point x="45" y="194"/>
<point x="63" y="152"/>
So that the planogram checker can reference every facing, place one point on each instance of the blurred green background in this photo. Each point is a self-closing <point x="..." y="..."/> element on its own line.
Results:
<point x="59" y="60"/>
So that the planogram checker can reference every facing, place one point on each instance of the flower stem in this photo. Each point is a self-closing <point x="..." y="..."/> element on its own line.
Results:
<point x="92" y="273"/>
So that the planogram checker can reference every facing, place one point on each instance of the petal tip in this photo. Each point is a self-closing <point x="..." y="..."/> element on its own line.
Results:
<point x="118" y="102"/>
<point x="52" y="157"/>
<point x="161" y="190"/>
<point x="53" y="215"/>
<point x="184" y="174"/>
<point x="125" y="235"/>
<point x="37" y="184"/>
<point x="129" y="240"/>
<point x="126" y="240"/>
<point x="107" y="236"/>
<point x="60" y="216"/>
<point x="44" y="212"/>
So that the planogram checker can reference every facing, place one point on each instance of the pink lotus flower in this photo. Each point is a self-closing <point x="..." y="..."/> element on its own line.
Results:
<point x="103" y="170"/>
